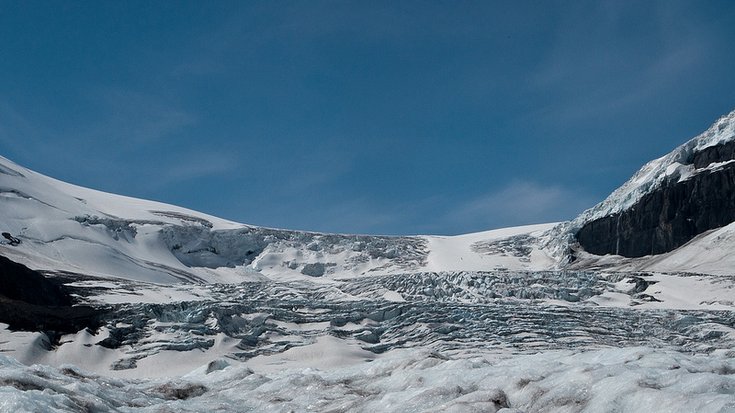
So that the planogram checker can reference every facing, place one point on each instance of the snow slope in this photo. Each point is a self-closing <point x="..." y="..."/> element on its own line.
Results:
<point x="508" y="248"/>
<point x="68" y="228"/>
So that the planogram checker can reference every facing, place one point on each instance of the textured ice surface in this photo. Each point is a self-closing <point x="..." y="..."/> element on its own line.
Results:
<point x="454" y="314"/>
<point x="459" y="341"/>
<point x="635" y="379"/>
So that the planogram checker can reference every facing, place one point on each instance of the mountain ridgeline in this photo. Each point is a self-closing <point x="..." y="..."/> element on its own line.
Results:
<point x="55" y="227"/>
<point x="695" y="193"/>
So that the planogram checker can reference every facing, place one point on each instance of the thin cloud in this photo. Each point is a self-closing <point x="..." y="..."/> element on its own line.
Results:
<point x="354" y="216"/>
<point x="519" y="203"/>
<point x="595" y="72"/>
<point x="193" y="166"/>
<point x="18" y="135"/>
<point x="132" y="119"/>
<point x="129" y="125"/>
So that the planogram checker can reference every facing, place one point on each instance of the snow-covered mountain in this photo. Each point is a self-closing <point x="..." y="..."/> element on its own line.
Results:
<point x="672" y="215"/>
<point x="63" y="227"/>
<point x="126" y="305"/>
<point x="675" y="214"/>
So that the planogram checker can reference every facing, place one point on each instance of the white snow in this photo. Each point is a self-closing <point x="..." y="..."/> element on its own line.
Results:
<point x="456" y="253"/>
<point x="393" y="296"/>
<point x="691" y="292"/>
<point x="626" y="380"/>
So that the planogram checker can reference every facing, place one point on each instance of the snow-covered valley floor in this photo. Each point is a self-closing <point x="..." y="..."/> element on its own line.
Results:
<point x="449" y="341"/>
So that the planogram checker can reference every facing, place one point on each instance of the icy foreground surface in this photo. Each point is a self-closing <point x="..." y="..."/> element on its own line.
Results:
<point x="612" y="380"/>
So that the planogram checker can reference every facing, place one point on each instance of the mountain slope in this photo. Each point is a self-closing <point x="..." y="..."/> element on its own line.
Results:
<point x="672" y="215"/>
<point x="63" y="227"/>
<point x="669" y="201"/>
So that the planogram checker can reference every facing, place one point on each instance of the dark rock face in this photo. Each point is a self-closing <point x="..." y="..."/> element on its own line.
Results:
<point x="717" y="153"/>
<point x="11" y="239"/>
<point x="20" y="315"/>
<point x="29" y="301"/>
<point x="672" y="215"/>
<point x="18" y="282"/>
<point x="314" y="270"/>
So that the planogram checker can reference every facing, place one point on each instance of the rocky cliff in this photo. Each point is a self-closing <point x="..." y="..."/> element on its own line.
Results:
<point x="30" y="301"/>
<point x="688" y="192"/>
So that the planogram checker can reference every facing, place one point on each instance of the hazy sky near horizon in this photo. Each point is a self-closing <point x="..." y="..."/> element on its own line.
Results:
<point x="390" y="117"/>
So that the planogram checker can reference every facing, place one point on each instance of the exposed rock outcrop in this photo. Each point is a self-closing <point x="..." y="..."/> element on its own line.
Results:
<point x="18" y="282"/>
<point x="30" y="301"/>
<point x="666" y="218"/>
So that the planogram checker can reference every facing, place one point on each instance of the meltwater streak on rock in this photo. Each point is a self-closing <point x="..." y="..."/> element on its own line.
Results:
<point x="669" y="201"/>
<point x="667" y="218"/>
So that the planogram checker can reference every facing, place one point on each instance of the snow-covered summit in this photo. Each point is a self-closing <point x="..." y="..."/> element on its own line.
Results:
<point x="22" y="183"/>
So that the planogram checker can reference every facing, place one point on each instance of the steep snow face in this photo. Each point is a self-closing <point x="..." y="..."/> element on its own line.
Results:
<point x="675" y="165"/>
<point x="32" y="189"/>
<point x="63" y="227"/>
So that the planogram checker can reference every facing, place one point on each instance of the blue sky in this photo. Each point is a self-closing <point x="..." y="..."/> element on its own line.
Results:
<point x="361" y="117"/>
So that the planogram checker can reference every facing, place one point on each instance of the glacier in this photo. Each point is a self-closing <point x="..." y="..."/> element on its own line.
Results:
<point x="627" y="380"/>
<point x="200" y="313"/>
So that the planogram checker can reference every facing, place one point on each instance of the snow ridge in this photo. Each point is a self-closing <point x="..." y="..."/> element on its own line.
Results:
<point x="657" y="171"/>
